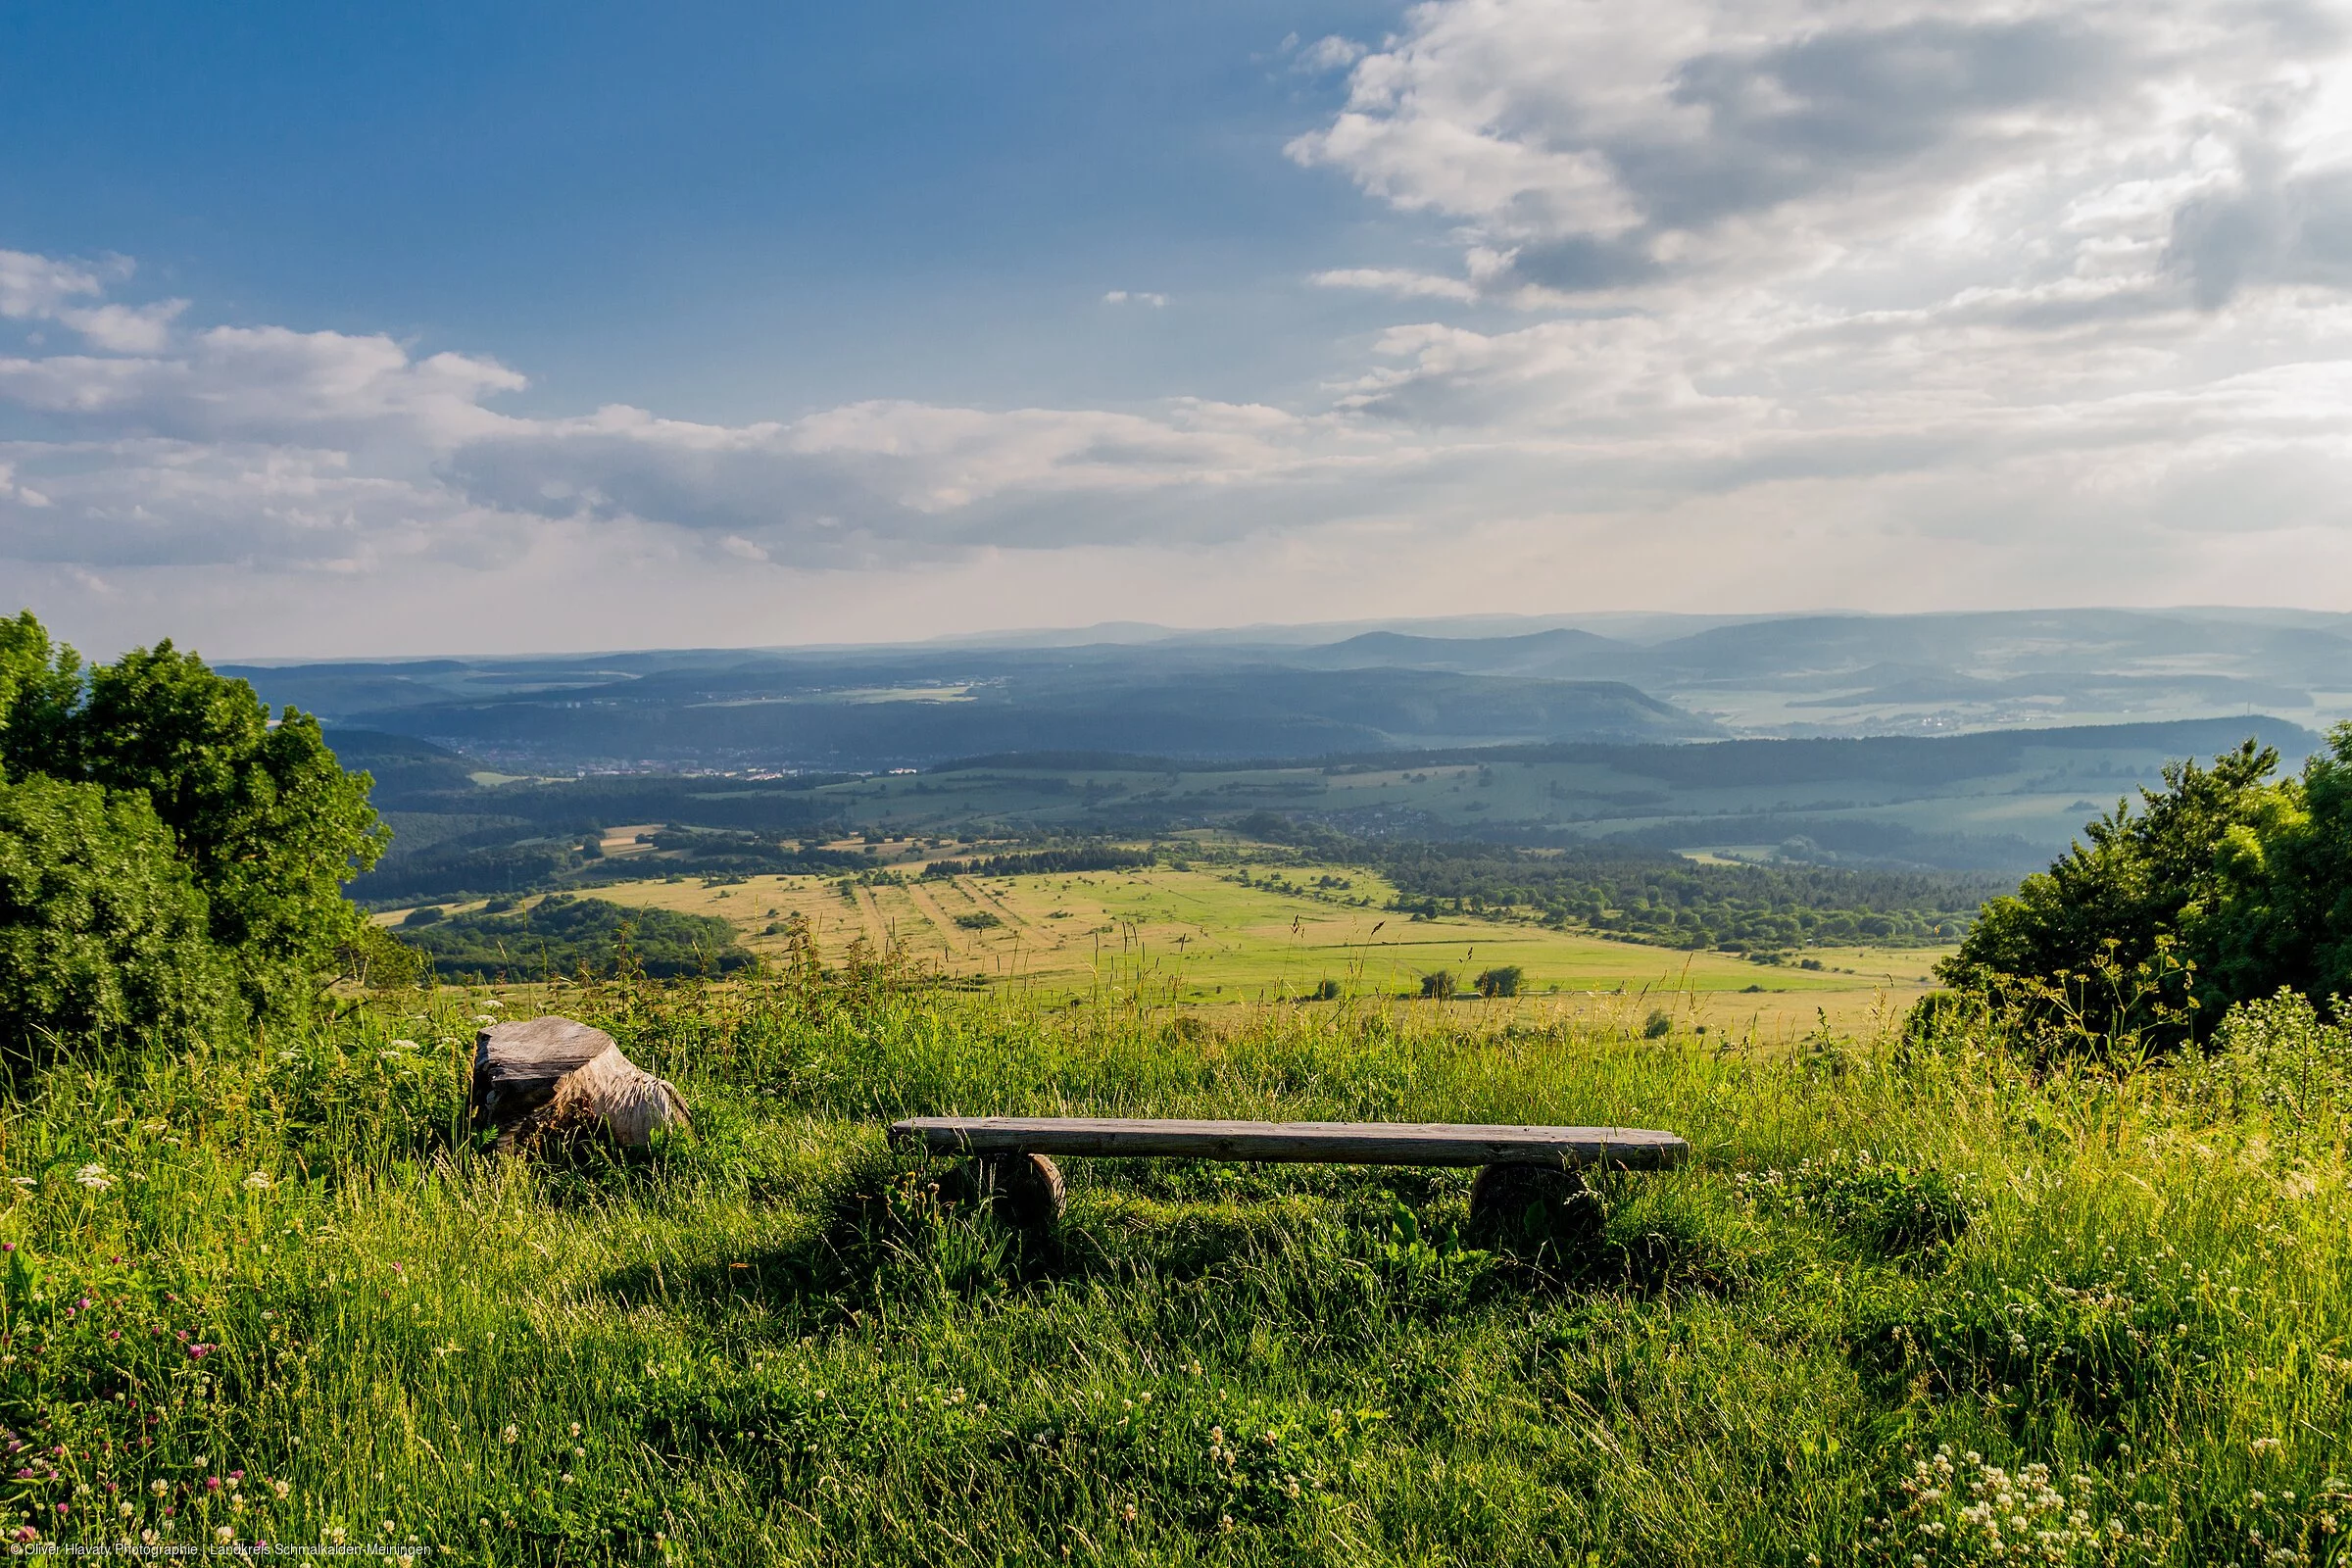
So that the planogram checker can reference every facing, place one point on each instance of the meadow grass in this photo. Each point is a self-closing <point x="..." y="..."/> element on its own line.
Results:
<point x="1200" y="936"/>
<point x="1905" y="1303"/>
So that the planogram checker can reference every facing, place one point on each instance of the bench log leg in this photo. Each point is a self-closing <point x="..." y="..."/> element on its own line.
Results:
<point x="1026" y="1188"/>
<point x="1557" y="1200"/>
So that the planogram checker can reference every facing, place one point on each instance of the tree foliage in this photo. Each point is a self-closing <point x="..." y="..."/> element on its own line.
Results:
<point x="102" y="930"/>
<point x="2223" y="887"/>
<point x="177" y="780"/>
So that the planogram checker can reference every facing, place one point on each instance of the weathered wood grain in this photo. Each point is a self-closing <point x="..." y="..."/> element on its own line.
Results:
<point x="1333" y="1141"/>
<point x="548" y="1074"/>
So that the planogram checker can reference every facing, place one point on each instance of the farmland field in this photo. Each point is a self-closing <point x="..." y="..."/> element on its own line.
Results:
<point x="1236" y="935"/>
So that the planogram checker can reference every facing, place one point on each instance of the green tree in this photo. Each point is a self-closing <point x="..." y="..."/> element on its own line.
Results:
<point x="2283" y="913"/>
<point x="268" y="821"/>
<point x="40" y="684"/>
<point x="1501" y="982"/>
<point x="102" y="930"/>
<point x="265" y="823"/>
<point x="2223" y="887"/>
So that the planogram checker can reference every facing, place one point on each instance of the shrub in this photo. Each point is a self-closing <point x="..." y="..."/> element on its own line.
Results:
<point x="1438" y="985"/>
<point x="1501" y="982"/>
<point x="977" y="920"/>
<point x="266" y="822"/>
<point x="102" y="931"/>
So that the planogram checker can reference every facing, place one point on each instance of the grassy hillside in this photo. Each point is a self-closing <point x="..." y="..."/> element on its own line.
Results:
<point x="1900" y="1304"/>
<point x="1253" y="932"/>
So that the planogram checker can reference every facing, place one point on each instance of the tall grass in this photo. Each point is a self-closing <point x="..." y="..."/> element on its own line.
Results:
<point x="1905" y="1302"/>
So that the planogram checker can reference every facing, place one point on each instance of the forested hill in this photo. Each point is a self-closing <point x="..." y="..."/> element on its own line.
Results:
<point x="1668" y="899"/>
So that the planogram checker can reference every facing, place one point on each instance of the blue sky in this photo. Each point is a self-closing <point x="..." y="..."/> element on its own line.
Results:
<point x="338" y="329"/>
<point x="725" y="209"/>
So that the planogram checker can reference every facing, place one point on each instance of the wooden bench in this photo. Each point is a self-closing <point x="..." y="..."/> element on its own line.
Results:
<point x="1015" y="1153"/>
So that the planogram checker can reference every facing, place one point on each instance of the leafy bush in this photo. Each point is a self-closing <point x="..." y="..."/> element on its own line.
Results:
<point x="977" y="920"/>
<point x="2277" y="1055"/>
<point x="1501" y="982"/>
<point x="2220" y="888"/>
<point x="1438" y="985"/>
<point x="102" y="931"/>
<point x="265" y="823"/>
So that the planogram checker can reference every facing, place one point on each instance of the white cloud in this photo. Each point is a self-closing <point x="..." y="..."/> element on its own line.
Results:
<point x="40" y="288"/>
<point x="1767" y="303"/>
<point x="1328" y="54"/>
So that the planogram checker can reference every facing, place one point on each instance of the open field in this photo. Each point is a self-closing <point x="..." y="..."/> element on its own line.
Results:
<point x="1206" y="938"/>
<point x="1902" y="1305"/>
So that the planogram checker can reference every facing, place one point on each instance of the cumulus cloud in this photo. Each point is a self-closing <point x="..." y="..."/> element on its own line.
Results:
<point x="1775" y="289"/>
<point x="328" y="451"/>
<point x="1714" y="143"/>
<point x="40" y="288"/>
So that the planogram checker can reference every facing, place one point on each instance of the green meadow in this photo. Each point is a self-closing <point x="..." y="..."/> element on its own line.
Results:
<point x="1209" y="937"/>
<point x="1909" y="1301"/>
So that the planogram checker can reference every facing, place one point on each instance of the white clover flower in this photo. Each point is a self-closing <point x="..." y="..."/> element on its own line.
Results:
<point x="511" y="1434"/>
<point x="224" y="1534"/>
<point x="94" y="1177"/>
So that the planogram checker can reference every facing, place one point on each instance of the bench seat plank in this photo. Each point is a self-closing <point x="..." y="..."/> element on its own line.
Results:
<point x="1374" y="1143"/>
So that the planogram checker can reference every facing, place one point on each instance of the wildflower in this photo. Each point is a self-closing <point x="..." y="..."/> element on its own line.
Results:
<point x="1128" y="1513"/>
<point x="511" y="1434"/>
<point x="389" y="1526"/>
<point x="334" y="1537"/>
<point x="22" y="1181"/>
<point x="160" y="1488"/>
<point x="575" y="1429"/>
<point x="258" y="1182"/>
<point x="403" y="1044"/>
<point x="126" y="1509"/>
<point x="224" y="1534"/>
<point x="283" y="1489"/>
<point x="564" y="1477"/>
<point x="2265" y="1445"/>
<point x="94" y="1177"/>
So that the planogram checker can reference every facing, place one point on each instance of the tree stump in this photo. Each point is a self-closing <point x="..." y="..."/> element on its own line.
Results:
<point x="550" y="1076"/>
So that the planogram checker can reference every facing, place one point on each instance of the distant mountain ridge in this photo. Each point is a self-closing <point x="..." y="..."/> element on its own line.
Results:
<point x="1391" y="688"/>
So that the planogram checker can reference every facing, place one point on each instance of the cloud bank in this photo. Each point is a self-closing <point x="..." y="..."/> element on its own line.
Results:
<point x="2048" y="288"/>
